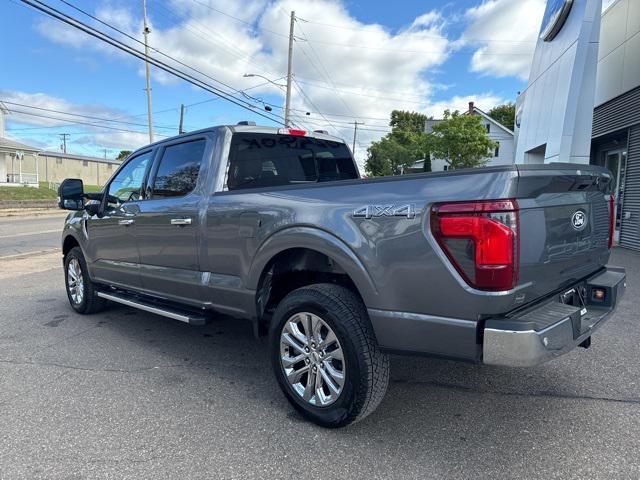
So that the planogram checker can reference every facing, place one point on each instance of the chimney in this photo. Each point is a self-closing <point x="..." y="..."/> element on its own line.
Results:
<point x="470" y="107"/>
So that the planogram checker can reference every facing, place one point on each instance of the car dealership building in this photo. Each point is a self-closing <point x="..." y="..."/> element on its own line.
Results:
<point x="616" y="121"/>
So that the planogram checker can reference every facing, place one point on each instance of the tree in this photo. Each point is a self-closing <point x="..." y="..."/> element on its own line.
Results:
<point x="123" y="154"/>
<point x="407" y="121"/>
<point x="401" y="148"/>
<point x="505" y="114"/>
<point x="460" y="140"/>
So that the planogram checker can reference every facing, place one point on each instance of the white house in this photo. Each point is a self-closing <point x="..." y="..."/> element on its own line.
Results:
<point x="502" y="155"/>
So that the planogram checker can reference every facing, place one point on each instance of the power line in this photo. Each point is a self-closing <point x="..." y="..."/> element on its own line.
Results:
<point x="202" y="32"/>
<point x="138" y="41"/>
<point x="57" y="14"/>
<point x="327" y="76"/>
<point x="90" y="117"/>
<point x="49" y="117"/>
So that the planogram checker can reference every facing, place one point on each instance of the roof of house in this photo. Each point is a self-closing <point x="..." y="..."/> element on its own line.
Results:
<point x="71" y="156"/>
<point x="486" y="116"/>
<point x="8" y="144"/>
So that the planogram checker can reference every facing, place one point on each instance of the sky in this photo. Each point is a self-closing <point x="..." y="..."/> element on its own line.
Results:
<point x="353" y="60"/>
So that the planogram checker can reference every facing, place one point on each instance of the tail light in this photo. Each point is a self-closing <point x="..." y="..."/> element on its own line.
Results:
<point x="612" y="219"/>
<point x="481" y="241"/>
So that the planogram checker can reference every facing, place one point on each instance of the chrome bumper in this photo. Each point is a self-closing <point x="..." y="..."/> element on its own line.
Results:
<point x="554" y="328"/>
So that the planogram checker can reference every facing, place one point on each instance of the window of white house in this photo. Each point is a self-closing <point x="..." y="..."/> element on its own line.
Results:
<point x="497" y="152"/>
<point x="488" y="128"/>
<point x="445" y="168"/>
<point x="85" y="163"/>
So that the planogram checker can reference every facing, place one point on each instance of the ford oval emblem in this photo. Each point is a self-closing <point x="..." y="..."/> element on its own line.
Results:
<point x="579" y="220"/>
<point x="554" y="18"/>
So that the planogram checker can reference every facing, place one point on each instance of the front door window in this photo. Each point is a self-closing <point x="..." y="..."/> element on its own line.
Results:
<point x="127" y="184"/>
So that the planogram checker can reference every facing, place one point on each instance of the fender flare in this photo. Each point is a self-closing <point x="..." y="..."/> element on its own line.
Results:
<point x="318" y="240"/>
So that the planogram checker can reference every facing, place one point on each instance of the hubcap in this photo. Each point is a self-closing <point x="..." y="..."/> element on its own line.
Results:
<point x="75" y="282"/>
<point x="312" y="359"/>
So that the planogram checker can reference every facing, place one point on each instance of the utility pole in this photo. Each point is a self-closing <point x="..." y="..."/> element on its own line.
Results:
<point x="355" y="133"/>
<point x="287" y="104"/>
<point x="180" y="127"/>
<point x="146" y="32"/>
<point x="63" y="137"/>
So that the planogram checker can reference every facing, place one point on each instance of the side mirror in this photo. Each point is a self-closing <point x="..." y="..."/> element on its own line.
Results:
<point x="71" y="194"/>
<point x="93" y="207"/>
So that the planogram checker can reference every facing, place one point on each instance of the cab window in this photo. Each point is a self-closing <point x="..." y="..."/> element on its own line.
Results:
<point x="127" y="184"/>
<point x="266" y="160"/>
<point x="178" y="169"/>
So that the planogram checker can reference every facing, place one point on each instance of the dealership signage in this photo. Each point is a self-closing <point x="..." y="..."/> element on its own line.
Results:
<point x="554" y="18"/>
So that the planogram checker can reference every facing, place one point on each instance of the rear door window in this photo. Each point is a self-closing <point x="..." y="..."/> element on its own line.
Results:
<point x="264" y="160"/>
<point x="178" y="169"/>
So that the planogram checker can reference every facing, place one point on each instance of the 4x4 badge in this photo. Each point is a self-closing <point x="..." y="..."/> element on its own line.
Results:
<point x="370" y="211"/>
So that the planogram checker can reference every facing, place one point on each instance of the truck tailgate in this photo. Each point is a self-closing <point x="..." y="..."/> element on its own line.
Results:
<point x="564" y="224"/>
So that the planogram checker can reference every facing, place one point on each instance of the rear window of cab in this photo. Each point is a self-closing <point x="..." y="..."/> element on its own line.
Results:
<point x="262" y="160"/>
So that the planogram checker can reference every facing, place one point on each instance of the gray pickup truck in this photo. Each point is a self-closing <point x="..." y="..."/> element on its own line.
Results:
<point x="503" y="266"/>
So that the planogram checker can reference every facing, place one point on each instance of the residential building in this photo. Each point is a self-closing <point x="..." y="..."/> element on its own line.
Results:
<point x="502" y="155"/>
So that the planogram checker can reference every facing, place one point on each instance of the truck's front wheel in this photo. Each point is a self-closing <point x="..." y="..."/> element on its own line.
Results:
<point x="325" y="355"/>
<point x="81" y="291"/>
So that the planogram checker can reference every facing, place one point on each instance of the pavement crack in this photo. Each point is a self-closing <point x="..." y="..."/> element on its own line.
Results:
<point x="89" y="369"/>
<point x="538" y="394"/>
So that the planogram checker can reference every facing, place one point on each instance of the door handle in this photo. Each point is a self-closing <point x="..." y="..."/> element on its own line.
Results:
<point x="180" y="221"/>
<point x="126" y="223"/>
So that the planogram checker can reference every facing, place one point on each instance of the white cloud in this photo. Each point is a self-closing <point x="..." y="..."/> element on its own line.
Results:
<point x="504" y="34"/>
<point x="346" y="68"/>
<point x="39" y="118"/>
<point x="484" y="101"/>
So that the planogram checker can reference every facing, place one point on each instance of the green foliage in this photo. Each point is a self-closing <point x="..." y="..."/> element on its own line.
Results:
<point x="407" y="121"/>
<point x="460" y="140"/>
<point x="43" y="192"/>
<point x="505" y="114"/>
<point x="123" y="154"/>
<point x="28" y="193"/>
<point x="399" y="149"/>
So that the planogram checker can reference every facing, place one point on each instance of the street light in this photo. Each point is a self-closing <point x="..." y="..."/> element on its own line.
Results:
<point x="248" y="75"/>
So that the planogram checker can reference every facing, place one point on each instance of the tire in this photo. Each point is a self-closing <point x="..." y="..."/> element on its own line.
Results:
<point x="81" y="291"/>
<point x="324" y="309"/>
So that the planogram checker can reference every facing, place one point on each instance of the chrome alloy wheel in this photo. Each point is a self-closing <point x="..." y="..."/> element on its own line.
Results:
<point x="75" y="282"/>
<point x="312" y="359"/>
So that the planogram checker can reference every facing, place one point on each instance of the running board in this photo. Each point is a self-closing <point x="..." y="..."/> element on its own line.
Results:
<point x="157" y="309"/>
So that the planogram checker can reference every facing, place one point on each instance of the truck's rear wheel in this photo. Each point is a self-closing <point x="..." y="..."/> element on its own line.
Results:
<point x="325" y="356"/>
<point x="81" y="291"/>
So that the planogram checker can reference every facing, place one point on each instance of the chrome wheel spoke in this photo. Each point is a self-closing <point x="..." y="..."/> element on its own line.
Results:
<point x="309" y="389"/>
<point x="308" y="327"/>
<point x="312" y="359"/>
<point x="294" y="376"/>
<point x="333" y="375"/>
<point x="335" y="355"/>
<point x="75" y="282"/>
<point x="288" y="362"/>
<point x="290" y="341"/>
<point x="328" y="340"/>
<point x="293" y="329"/>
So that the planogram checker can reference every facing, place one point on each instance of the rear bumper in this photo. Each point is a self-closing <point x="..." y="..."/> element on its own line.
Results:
<point x="553" y="328"/>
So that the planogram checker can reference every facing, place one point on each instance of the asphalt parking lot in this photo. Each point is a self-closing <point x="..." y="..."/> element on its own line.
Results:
<point x="126" y="394"/>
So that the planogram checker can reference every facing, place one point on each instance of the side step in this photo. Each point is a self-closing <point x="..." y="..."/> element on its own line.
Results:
<point x="163" y="310"/>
